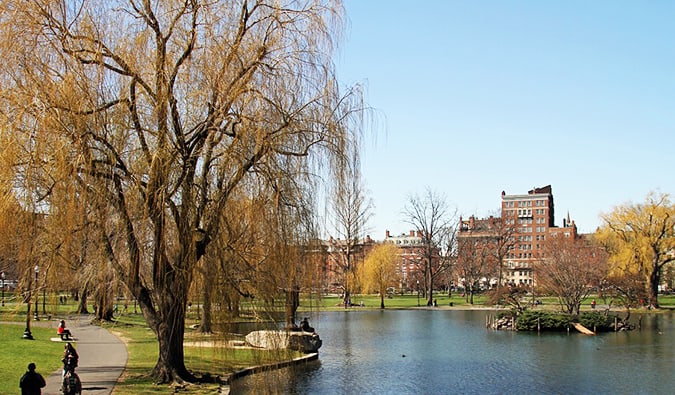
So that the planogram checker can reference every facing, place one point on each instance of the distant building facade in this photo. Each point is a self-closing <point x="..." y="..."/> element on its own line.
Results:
<point x="532" y="218"/>
<point x="526" y="221"/>
<point x="411" y="254"/>
<point x="478" y="240"/>
<point x="333" y="255"/>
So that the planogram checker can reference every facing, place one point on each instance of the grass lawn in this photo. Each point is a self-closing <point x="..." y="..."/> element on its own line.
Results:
<point x="395" y="302"/>
<point x="217" y="361"/>
<point x="18" y="353"/>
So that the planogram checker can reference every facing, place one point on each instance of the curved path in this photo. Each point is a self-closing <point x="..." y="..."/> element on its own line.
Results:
<point x="103" y="357"/>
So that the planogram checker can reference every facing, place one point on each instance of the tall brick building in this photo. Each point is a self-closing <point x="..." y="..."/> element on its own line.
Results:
<point x="532" y="217"/>
<point x="526" y="222"/>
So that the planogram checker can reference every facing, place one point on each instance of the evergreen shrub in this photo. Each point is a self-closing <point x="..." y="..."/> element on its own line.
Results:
<point x="595" y="320"/>
<point x="546" y="321"/>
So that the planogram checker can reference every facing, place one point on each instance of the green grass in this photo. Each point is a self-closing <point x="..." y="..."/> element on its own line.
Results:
<point x="217" y="361"/>
<point x="18" y="353"/>
<point x="395" y="302"/>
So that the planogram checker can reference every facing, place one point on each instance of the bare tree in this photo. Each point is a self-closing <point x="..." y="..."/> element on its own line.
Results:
<point x="570" y="268"/>
<point x="351" y="210"/>
<point x="431" y="218"/>
<point x="503" y="242"/>
<point x="475" y="262"/>
<point x="169" y="109"/>
<point x="627" y="288"/>
<point x="483" y="245"/>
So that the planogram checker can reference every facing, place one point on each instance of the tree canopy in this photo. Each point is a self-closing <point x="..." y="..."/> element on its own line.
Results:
<point x="163" y="117"/>
<point x="379" y="270"/>
<point x="570" y="268"/>
<point x="432" y="218"/>
<point x="640" y="238"/>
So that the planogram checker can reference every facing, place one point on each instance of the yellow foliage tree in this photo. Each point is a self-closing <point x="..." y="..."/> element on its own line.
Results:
<point x="641" y="240"/>
<point x="379" y="270"/>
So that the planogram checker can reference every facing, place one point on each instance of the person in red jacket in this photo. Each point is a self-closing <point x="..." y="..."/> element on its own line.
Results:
<point x="63" y="332"/>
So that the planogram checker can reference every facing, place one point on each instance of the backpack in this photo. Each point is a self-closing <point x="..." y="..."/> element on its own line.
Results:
<point x="71" y="384"/>
<point x="70" y="362"/>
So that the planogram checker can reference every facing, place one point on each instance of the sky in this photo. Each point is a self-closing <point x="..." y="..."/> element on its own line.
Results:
<point x="472" y="98"/>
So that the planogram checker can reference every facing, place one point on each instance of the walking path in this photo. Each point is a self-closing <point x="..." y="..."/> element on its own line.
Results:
<point x="103" y="357"/>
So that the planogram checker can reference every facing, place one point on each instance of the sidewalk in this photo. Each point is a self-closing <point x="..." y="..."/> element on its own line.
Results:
<point x="103" y="357"/>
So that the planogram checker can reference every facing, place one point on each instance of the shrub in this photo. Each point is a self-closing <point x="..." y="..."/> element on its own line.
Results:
<point x="546" y="321"/>
<point x="597" y="320"/>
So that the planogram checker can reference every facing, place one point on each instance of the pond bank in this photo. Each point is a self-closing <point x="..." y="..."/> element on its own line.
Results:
<point x="225" y="389"/>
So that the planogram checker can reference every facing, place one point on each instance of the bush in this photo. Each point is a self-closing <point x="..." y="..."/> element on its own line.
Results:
<point x="597" y="321"/>
<point x="541" y="320"/>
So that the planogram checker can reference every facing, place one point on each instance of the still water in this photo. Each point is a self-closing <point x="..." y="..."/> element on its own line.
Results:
<point x="451" y="352"/>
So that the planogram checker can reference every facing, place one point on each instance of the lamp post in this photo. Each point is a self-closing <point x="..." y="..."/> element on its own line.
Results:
<point x="37" y="295"/>
<point x="44" y="297"/>
<point x="3" y="289"/>
<point x="418" y="293"/>
<point x="26" y="333"/>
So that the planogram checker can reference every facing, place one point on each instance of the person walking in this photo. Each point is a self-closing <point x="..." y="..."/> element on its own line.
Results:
<point x="70" y="359"/>
<point x="72" y="384"/>
<point x="32" y="382"/>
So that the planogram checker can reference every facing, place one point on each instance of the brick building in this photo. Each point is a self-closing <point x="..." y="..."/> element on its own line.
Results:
<point x="478" y="242"/>
<point x="532" y="218"/>
<point x="411" y="253"/>
<point x="518" y="237"/>
<point x="335" y="254"/>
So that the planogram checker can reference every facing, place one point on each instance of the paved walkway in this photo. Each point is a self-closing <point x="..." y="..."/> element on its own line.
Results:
<point x="103" y="357"/>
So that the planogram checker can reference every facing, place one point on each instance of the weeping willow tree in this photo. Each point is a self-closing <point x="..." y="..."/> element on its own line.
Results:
<point x="262" y="252"/>
<point x="167" y="111"/>
<point x="640" y="238"/>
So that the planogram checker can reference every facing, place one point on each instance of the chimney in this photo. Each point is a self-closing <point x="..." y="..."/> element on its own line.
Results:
<point x="388" y="236"/>
<point x="412" y="233"/>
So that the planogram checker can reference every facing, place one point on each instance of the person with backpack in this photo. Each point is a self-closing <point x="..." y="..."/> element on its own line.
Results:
<point x="70" y="359"/>
<point x="72" y="384"/>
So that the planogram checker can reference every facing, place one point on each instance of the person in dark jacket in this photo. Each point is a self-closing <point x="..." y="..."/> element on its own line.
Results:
<point x="32" y="382"/>
<point x="72" y="384"/>
<point x="70" y="359"/>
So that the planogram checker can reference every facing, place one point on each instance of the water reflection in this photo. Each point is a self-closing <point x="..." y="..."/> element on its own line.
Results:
<point x="448" y="351"/>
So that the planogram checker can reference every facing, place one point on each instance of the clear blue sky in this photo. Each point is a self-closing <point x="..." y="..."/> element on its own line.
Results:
<point x="478" y="97"/>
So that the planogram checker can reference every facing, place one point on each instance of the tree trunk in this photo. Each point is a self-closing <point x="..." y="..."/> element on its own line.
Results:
<point x="291" y="306"/>
<point x="104" y="311"/>
<point x="381" y="300"/>
<point x="347" y="299"/>
<point x="653" y="287"/>
<point x="82" y="303"/>
<point x="207" y="305"/>
<point x="170" y="365"/>
<point x="170" y="329"/>
<point x="430" y="287"/>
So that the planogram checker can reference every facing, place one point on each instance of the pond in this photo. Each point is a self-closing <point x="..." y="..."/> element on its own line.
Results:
<point x="433" y="351"/>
